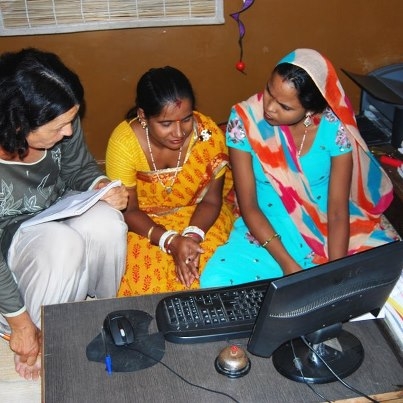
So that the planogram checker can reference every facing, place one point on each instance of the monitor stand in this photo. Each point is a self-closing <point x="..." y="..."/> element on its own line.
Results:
<point x="344" y="355"/>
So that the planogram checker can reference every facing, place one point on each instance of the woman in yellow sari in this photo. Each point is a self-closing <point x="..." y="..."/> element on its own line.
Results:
<point x="174" y="163"/>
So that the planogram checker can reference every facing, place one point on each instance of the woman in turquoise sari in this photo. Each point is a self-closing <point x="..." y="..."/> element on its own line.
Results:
<point x="309" y="191"/>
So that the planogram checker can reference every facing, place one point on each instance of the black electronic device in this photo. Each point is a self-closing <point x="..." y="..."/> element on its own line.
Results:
<point x="210" y="314"/>
<point x="300" y="320"/>
<point x="371" y="131"/>
<point x="118" y="325"/>
<point x="312" y="304"/>
<point x="380" y="120"/>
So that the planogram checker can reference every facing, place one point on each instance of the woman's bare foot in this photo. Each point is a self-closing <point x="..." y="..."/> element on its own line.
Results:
<point x="29" y="372"/>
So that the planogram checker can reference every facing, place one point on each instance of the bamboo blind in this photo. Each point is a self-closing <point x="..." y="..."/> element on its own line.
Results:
<point x="25" y="17"/>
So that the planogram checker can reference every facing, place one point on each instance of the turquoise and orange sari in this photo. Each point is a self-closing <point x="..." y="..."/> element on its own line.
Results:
<point x="371" y="188"/>
<point x="292" y="191"/>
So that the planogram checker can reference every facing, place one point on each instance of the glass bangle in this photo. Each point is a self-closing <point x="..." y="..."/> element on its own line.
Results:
<point x="164" y="237"/>
<point x="195" y="230"/>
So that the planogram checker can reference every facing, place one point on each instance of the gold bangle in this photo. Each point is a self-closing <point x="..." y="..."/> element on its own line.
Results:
<point x="150" y="231"/>
<point x="265" y="243"/>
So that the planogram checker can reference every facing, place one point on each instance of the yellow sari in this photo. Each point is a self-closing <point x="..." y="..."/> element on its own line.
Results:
<point x="148" y="269"/>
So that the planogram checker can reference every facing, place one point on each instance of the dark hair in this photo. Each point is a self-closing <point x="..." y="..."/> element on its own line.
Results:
<point x="35" y="88"/>
<point x="158" y="87"/>
<point x="308" y="93"/>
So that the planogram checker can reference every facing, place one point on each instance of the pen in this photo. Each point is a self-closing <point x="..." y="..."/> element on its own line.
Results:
<point x="108" y="359"/>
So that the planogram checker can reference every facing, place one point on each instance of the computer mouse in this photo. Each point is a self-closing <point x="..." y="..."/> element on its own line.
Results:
<point x="120" y="328"/>
<point x="232" y="362"/>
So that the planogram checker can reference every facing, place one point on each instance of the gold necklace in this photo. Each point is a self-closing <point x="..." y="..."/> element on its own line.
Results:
<point x="309" y="119"/>
<point x="168" y="188"/>
<point x="302" y="142"/>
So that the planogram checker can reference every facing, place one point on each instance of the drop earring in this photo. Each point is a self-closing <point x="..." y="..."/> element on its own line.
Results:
<point x="308" y="119"/>
<point x="142" y="122"/>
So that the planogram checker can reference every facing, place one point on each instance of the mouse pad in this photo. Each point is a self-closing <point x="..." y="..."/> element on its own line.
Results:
<point x="146" y="350"/>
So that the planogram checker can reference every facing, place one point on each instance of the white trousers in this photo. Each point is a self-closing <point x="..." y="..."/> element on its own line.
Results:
<point x="64" y="261"/>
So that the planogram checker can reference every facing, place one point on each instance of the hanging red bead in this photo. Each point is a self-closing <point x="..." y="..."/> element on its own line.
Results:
<point x="240" y="66"/>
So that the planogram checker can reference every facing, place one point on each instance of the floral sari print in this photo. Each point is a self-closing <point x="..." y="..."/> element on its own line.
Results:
<point x="149" y="270"/>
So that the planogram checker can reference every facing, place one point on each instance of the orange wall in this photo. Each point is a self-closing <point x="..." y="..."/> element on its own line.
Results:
<point x="359" y="35"/>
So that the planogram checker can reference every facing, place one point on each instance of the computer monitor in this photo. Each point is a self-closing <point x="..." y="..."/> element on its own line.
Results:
<point x="300" y="320"/>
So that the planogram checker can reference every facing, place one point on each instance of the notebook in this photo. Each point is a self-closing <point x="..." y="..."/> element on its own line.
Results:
<point x="69" y="206"/>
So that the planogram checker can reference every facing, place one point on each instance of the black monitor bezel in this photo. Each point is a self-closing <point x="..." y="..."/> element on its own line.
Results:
<point x="362" y="271"/>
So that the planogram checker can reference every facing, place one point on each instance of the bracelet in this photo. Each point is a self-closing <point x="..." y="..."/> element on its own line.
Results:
<point x="195" y="230"/>
<point x="164" y="237"/>
<point x="169" y="242"/>
<point x="265" y="243"/>
<point x="193" y="236"/>
<point x="150" y="231"/>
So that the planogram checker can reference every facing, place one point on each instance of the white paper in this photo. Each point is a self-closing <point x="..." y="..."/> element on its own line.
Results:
<point x="394" y="312"/>
<point x="69" y="206"/>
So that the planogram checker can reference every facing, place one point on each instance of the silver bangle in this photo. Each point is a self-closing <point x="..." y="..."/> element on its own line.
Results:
<point x="194" y="230"/>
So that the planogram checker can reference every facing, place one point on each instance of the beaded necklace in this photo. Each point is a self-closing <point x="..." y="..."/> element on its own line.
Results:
<point x="168" y="188"/>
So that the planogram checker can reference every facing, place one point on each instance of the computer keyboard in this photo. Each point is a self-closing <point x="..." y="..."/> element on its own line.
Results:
<point x="211" y="314"/>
